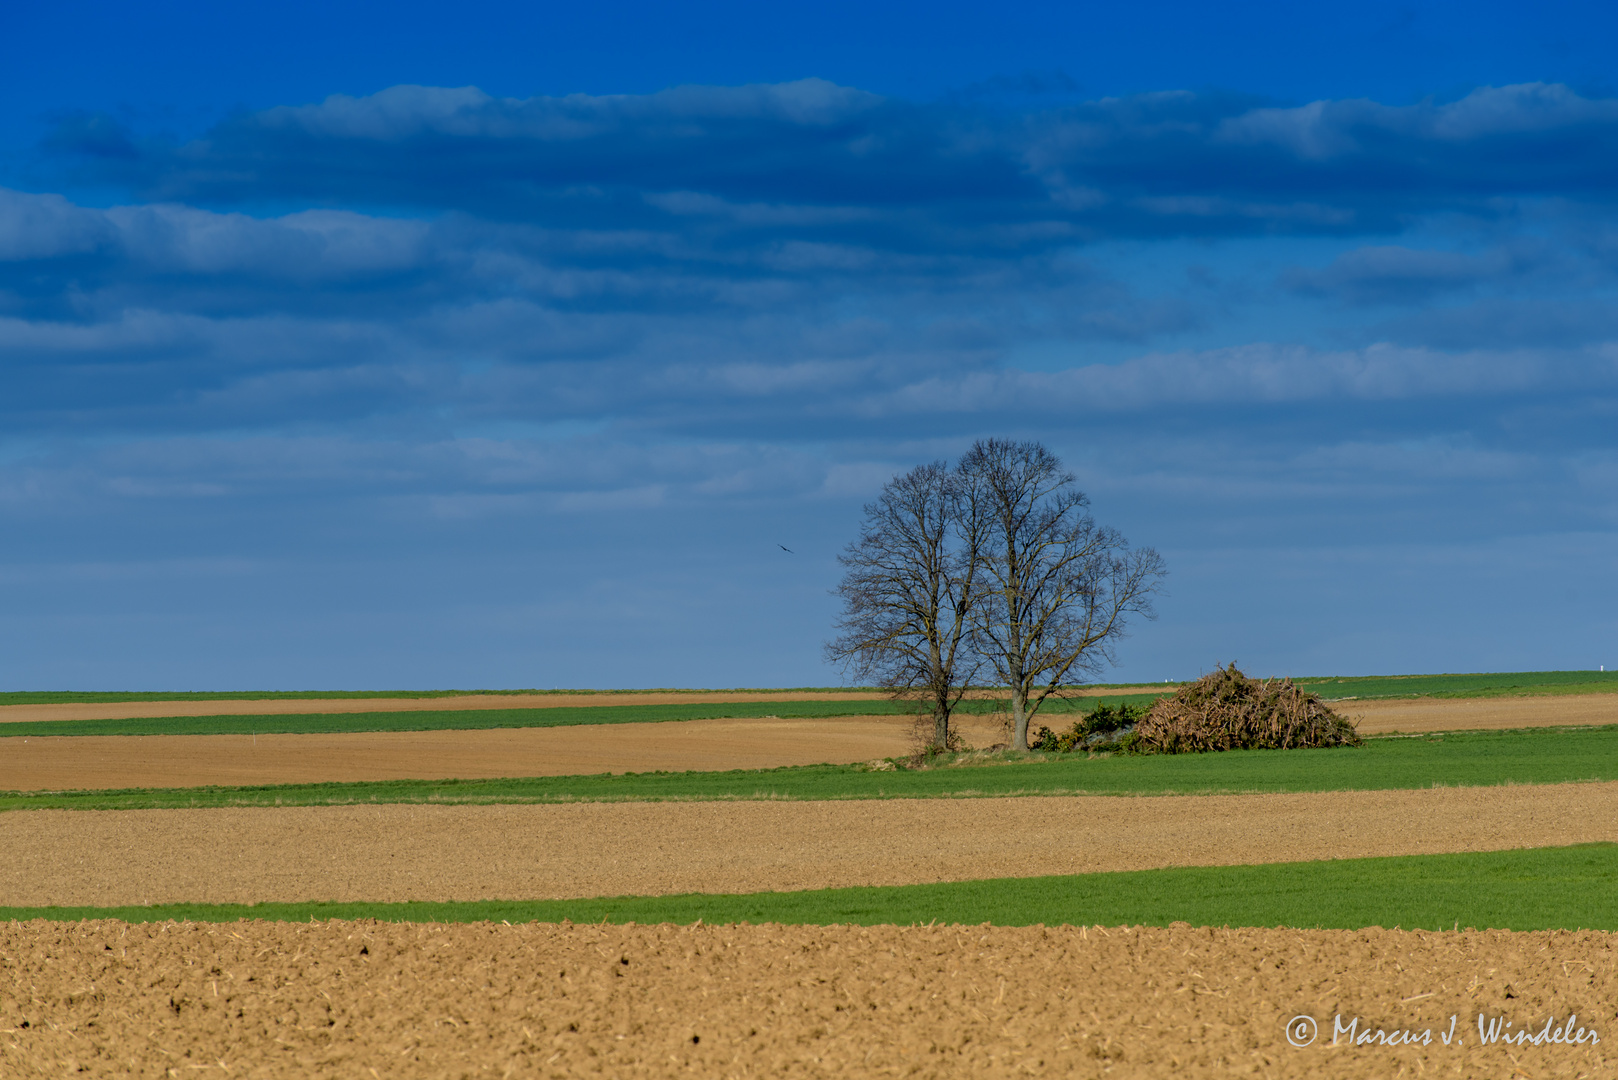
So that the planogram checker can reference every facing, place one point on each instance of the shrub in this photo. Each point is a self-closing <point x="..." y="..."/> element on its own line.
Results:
<point x="1225" y="710"/>
<point x="1107" y="727"/>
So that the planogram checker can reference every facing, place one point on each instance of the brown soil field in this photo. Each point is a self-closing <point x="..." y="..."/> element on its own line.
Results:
<point x="425" y="852"/>
<point x="83" y="762"/>
<point x="1479" y="714"/>
<point x="87" y="762"/>
<point x="345" y="999"/>
<point x="1373" y="717"/>
<point x="116" y="710"/>
<point x="119" y="710"/>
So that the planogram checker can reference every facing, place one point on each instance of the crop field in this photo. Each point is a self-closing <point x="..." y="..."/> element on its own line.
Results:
<point x="1466" y="758"/>
<point x="765" y="883"/>
<point x="1333" y="687"/>
<point x="1493" y="684"/>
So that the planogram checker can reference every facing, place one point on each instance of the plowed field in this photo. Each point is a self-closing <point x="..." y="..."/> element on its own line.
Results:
<point x="1480" y="714"/>
<point x="366" y="999"/>
<point x="86" y="762"/>
<point x="115" y="710"/>
<point x="56" y="763"/>
<point x="406" y="852"/>
<point x="345" y="999"/>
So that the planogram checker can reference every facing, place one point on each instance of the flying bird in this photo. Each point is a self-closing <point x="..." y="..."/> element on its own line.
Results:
<point x="786" y="549"/>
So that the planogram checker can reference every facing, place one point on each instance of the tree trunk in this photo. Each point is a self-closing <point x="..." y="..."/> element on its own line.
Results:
<point x="939" y="690"/>
<point x="1019" y="719"/>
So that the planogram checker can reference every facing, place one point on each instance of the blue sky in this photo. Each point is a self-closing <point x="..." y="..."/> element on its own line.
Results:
<point x="418" y="346"/>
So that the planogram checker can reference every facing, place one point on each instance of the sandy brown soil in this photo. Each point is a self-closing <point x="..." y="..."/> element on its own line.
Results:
<point x="65" y="762"/>
<point x="85" y="762"/>
<point x="424" y="852"/>
<point x="1373" y="717"/>
<point x="366" y="999"/>
<point x="116" y="710"/>
<point x="1480" y="714"/>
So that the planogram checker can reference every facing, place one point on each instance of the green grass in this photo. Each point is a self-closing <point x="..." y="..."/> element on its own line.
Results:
<point x="1567" y="888"/>
<point x="483" y="719"/>
<point x="1486" y="684"/>
<point x="1053" y="713"/>
<point x="64" y="697"/>
<point x="57" y="697"/>
<point x="442" y="719"/>
<point x="1470" y="759"/>
<point x="1496" y="684"/>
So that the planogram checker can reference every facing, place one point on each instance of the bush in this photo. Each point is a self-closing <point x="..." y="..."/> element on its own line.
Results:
<point x="1225" y="710"/>
<point x="1108" y="727"/>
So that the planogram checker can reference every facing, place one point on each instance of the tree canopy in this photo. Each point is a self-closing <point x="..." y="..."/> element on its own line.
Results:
<point x="992" y="566"/>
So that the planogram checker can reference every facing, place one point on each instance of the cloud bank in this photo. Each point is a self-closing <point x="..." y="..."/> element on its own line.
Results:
<point x="430" y="320"/>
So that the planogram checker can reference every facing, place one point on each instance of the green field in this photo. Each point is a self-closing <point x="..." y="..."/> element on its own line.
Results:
<point x="1487" y="684"/>
<point x="1568" y="888"/>
<point x="59" y="697"/>
<point x="1469" y="759"/>
<point x="1497" y="684"/>
<point x="443" y="719"/>
<point x="484" y="719"/>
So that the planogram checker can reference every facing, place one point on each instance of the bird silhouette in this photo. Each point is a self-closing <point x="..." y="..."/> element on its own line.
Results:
<point x="786" y="549"/>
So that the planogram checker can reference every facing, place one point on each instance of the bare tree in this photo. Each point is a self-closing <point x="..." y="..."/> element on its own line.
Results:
<point x="908" y="592"/>
<point x="1058" y="587"/>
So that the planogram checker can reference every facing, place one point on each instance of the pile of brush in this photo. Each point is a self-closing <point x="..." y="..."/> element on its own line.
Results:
<point x="1225" y="710"/>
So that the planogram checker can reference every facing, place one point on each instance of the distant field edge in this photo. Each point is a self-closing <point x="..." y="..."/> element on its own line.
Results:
<point x="1558" y="888"/>
<point x="495" y="719"/>
<point x="1451" y="759"/>
<point x="442" y="720"/>
<point x="77" y="697"/>
<point x="1339" y="687"/>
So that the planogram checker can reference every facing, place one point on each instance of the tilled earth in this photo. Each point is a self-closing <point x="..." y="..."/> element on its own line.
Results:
<point x="425" y="852"/>
<point x="84" y="762"/>
<point x="1480" y="714"/>
<point x="369" y="999"/>
<point x="114" y="710"/>
<point x="57" y="763"/>
<point x="345" y="999"/>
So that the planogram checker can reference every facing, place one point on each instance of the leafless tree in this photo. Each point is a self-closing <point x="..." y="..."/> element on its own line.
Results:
<point x="908" y="591"/>
<point x="1058" y="588"/>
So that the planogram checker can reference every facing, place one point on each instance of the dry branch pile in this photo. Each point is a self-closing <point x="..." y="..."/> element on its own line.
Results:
<point x="1225" y="710"/>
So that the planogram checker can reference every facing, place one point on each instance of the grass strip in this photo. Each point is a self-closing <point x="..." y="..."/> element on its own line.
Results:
<point x="1482" y="684"/>
<point x="1469" y="759"/>
<point x="1562" y="888"/>
<point x="442" y="719"/>
<point x="80" y="697"/>
<point x="485" y="719"/>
